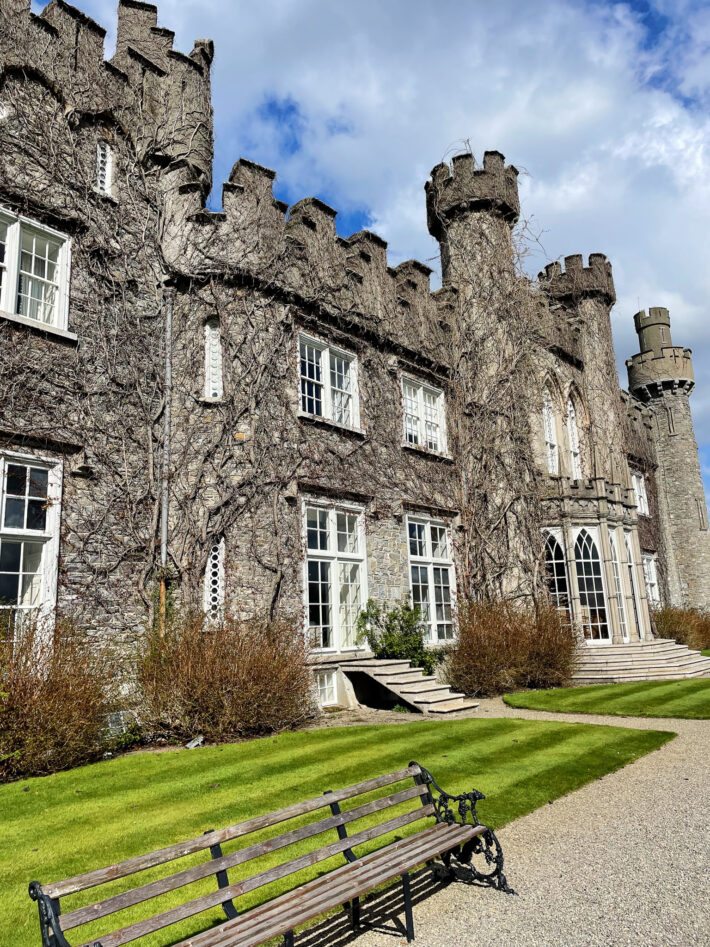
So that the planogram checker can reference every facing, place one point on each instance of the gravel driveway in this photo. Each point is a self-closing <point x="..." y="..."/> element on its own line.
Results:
<point x="623" y="861"/>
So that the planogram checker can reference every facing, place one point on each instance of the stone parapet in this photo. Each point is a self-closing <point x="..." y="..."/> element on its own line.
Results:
<point x="577" y="281"/>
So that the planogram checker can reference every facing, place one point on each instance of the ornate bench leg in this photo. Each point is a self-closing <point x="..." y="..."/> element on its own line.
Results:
<point x="408" y="917"/>
<point x="490" y="847"/>
<point x="288" y="939"/>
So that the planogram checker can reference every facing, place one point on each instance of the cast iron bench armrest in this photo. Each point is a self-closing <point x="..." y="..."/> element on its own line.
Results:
<point x="461" y="808"/>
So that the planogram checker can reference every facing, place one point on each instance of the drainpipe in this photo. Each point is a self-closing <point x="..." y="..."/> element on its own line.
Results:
<point x="164" y="511"/>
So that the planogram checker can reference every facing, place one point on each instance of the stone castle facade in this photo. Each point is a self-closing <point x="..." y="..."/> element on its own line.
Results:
<point x="270" y="417"/>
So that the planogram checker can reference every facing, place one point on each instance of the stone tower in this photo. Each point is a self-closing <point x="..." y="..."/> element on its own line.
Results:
<point x="661" y="375"/>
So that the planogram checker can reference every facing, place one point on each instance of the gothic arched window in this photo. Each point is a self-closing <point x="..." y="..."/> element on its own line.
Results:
<point x="556" y="569"/>
<point x="575" y="455"/>
<point x="618" y="588"/>
<point x="549" y="425"/>
<point x="591" y="588"/>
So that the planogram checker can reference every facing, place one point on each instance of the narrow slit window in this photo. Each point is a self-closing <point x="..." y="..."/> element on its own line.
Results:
<point x="214" y="581"/>
<point x="213" y="361"/>
<point x="549" y="425"/>
<point x="573" y="434"/>
<point x="104" y="168"/>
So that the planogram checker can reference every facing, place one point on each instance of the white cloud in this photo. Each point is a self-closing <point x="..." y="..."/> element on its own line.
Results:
<point x="611" y="124"/>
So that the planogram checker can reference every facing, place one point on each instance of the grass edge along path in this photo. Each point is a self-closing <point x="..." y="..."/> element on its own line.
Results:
<point x="71" y="822"/>
<point x="687" y="699"/>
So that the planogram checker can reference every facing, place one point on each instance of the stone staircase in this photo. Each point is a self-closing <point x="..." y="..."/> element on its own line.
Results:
<point x="657" y="660"/>
<point x="411" y="686"/>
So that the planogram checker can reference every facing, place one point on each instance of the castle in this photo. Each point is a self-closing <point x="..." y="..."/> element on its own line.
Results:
<point x="266" y="417"/>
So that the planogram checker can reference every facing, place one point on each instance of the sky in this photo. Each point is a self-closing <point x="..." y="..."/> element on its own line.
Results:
<point x="603" y="107"/>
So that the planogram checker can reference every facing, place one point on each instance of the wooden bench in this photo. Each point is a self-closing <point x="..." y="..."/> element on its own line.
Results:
<point x="454" y="832"/>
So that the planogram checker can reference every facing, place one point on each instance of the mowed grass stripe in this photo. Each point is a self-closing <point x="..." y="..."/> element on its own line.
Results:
<point x="688" y="699"/>
<point x="55" y="831"/>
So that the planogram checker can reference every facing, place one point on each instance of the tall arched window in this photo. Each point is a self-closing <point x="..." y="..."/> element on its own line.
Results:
<point x="550" y="428"/>
<point x="591" y="588"/>
<point x="618" y="588"/>
<point x="556" y="569"/>
<point x="632" y="582"/>
<point x="213" y="360"/>
<point x="575" y="456"/>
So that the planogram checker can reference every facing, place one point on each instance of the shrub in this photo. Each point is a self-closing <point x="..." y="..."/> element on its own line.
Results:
<point x="397" y="633"/>
<point x="225" y="682"/>
<point x="688" y="626"/>
<point x="56" y="692"/>
<point x="502" y="646"/>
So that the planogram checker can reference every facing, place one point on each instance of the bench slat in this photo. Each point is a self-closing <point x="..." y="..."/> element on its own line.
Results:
<point x="148" y="926"/>
<point x="299" y="905"/>
<point x="100" y="876"/>
<point x="126" y="899"/>
<point x="210" y="937"/>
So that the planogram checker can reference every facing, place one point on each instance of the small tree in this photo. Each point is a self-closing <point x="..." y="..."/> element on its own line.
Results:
<point x="397" y="633"/>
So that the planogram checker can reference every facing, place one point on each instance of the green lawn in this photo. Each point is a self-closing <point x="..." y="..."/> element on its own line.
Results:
<point x="64" y="824"/>
<point x="706" y="653"/>
<point x="689" y="699"/>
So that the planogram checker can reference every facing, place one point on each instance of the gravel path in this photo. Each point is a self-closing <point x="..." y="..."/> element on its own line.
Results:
<point x="623" y="861"/>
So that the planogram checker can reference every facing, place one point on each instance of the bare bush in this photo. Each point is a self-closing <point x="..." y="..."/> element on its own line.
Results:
<point x="55" y="697"/>
<point x="503" y="646"/>
<point x="226" y="681"/>
<point x="688" y="626"/>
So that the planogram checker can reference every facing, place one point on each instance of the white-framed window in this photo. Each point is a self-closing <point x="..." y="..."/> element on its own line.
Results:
<point x="639" y="483"/>
<point x="575" y="455"/>
<point x="424" y="415"/>
<point x="650" y="574"/>
<point x="335" y="573"/>
<point x="34" y="271"/>
<point x="632" y="582"/>
<point x="214" y="581"/>
<point x="618" y="587"/>
<point x="104" y="168"/>
<point x="549" y="426"/>
<point x="590" y="581"/>
<point x="327" y="689"/>
<point x="29" y="538"/>
<point x="213" y="361"/>
<point x="431" y="575"/>
<point x="556" y="573"/>
<point x="328" y="382"/>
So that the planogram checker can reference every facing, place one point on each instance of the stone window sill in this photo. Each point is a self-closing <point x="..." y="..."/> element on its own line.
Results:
<point x="318" y="421"/>
<point x="40" y="327"/>
<point x="425" y="452"/>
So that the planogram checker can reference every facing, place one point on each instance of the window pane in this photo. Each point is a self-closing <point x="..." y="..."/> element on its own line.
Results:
<point x="8" y="589"/>
<point x="347" y="524"/>
<point x="14" y="514"/>
<point x="319" y="604"/>
<point x="37" y="514"/>
<point x="16" y="480"/>
<point x="417" y="539"/>
<point x="431" y="419"/>
<point x="311" y="379"/>
<point x="438" y="542"/>
<point x="411" y="413"/>
<point x="350" y="602"/>
<point x="317" y="528"/>
<point x="38" y="482"/>
<point x="420" y="590"/>
<point x="37" y="292"/>
<point x="10" y="556"/>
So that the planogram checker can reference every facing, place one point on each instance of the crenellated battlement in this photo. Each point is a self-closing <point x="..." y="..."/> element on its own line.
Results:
<point x="577" y="281"/>
<point x="463" y="187"/>
<point x="159" y="95"/>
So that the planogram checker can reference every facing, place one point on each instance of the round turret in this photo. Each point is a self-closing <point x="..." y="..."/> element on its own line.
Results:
<point x="577" y="280"/>
<point x="464" y="187"/>
<point x="660" y="364"/>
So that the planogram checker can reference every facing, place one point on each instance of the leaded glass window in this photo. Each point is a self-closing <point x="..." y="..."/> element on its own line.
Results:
<point x="213" y="360"/>
<point x="556" y="569"/>
<point x="573" y="435"/>
<point x="591" y="588"/>
<point x="214" y="581"/>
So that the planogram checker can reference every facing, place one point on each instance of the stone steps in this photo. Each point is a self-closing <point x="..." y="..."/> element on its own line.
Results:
<point x="658" y="660"/>
<point x="420" y="691"/>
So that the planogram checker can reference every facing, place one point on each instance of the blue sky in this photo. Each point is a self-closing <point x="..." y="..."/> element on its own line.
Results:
<point x="604" y="107"/>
